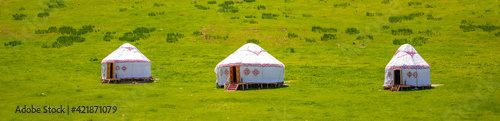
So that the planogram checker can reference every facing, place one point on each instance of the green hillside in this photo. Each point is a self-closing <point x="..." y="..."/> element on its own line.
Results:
<point x="335" y="53"/>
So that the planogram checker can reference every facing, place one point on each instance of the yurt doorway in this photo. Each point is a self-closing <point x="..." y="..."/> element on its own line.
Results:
<point x="234" y="74"/>
<point x="111" y="70"/>
<point x="397" y="77"/>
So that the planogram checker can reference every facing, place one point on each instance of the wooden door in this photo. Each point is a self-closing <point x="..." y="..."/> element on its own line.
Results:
<point x="231" y="75"/>
<point x="234" y="75"/>
<point x="237" y="73"/>
<point x="110" y="71"/>
<point x="397" y="77"/>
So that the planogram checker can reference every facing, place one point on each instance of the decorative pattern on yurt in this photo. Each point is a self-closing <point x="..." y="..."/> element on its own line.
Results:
<point x="414" y="70"/>
<point x="254" y="65"/>
<point x="126" y="62"/>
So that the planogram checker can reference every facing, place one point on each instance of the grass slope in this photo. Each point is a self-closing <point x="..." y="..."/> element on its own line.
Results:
<point x="338" y="79"/>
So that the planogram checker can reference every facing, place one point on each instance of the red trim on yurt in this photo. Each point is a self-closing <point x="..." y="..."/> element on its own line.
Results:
<point x="250" y="64"/>
<point x="125" y="60"/>
<point x="408" y="67"/>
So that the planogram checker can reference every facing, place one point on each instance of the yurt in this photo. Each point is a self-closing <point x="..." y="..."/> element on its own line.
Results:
<point x="252" y="66"/>
<point x="407" y="69"/>
<point x="126" y="63"/>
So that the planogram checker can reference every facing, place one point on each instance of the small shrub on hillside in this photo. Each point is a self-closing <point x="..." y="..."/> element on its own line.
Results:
<point x="386" y="27"/>
<point x="250" y="16"/>
<point x="249" y="1"/>
<point x="399" y="19"/>
<point x="430" y="17"/>
<point x="156" y="13"/>
<point x="44" y="14"/>
<point x="108" y="36"/>
<point x="497" y="34"/>
<point x="56" y="4"/>
<point x="411" y="3"/>
<point x="212" y="2"/>
<point x="428" y="6"/>
<point x="93" y="59"/>
<point x="255" y="41"/>
<point x="227" y="7"/>
<point x="261" y="7"/>
<point x="229" y="2"/>
<point x="361" y="37"/>
<point x="488" y="27"/>
<point x="123" y="9"/>
<point x="400" y="41"/>
<point x="66" y="30"/>
<point x="235" y="17"/>
<point x="22" y="8"/>
<point x="341" y="5"/>
<point x="84" y="30"/>
<point x="13" y="43"/>
<point x="176" y="35"/>
<point x="158" y="4"/>
<point x="327" y="37"/>
<point x="402" y="32"/>
<point x="136" y="34"/>
<point x="310" y="40"/>
<point x="291" y="50"/>
<point x="51" y="29"/>
<point x="286" y="14"/>
<point x="306" y="15"/>
<point x="370" y="14"/>
<point x="142" y="30"/>
<point x="64" y="41"/>
<point x="352" y="31"/>
<point x="370" y="37"/>
<point x="427" y="32"/>
<point x="419" y="41"/>
<point x="211" y="37"/>
<point x="467" y="22"/>
<point x="131" y="37"/>
<point x="172" y="39"/>
<point x="292" y="35"/>
<point x="19" y="16"/>
<point x="202" y="7"/>
<point x="320" y="29"/>
<point x="467" y="25"/>
<point x="197" y="33"/>
<point x="269" y="16"/>
<point x="251" y="21"/>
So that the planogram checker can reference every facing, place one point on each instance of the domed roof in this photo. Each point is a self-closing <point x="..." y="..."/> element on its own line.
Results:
<point x="250" y="55"/>
<point x="125" y="53"/>
<point x="407" y="57"/>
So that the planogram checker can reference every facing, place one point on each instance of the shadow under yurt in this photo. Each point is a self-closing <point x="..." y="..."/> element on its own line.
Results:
<point x="249" y="67"/>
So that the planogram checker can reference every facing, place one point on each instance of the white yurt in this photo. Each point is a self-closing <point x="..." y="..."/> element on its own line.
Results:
<point x="248" y="65"/>
<point x="126" y="62"/>
<point x="407" y="69"/>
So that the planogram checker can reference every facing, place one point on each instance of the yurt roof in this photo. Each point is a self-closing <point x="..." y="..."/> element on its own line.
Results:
<point x="406" y="57"/>
<point x="125" y="53"/>
<point x="250" y="55"/>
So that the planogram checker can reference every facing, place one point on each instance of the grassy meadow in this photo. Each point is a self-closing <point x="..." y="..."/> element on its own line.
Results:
<point x="335" y="53"/>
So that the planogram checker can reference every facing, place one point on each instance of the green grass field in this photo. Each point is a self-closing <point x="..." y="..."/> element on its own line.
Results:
<point x="334" y="78"/>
